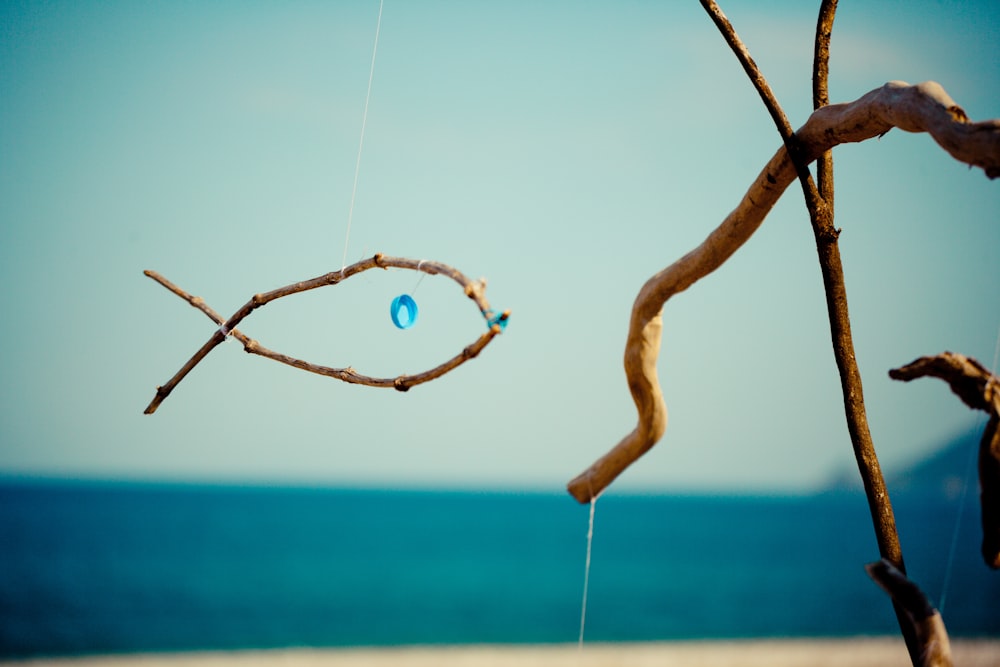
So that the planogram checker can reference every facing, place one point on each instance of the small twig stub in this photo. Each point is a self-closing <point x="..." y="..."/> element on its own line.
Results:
<point x="932" y="638"/>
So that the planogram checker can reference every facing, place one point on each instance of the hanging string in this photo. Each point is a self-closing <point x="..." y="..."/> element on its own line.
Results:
<point x="361" y="142"/>
<point x="973" y="452"/>
<point x="586" y="570"/>
<point x="949" y="566"/>
<point x="421" y="278"/>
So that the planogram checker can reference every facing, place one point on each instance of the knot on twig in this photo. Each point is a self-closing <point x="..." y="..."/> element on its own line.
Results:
<point x="828" y="234"/>
<point x="958" y="114"/>
<point x="475" y="290"/>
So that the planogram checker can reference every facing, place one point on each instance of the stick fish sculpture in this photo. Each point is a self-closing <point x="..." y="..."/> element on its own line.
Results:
<point x="474" y="289"/>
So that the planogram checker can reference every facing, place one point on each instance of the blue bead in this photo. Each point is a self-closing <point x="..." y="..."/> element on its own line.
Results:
<point x="404" y="301"/>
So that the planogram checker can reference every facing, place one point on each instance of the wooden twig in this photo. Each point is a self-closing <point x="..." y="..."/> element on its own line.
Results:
<point x="750" y="67"/>
<point x="821" y="92"/>
<point x="819" y="198"/>
<point x="980" y="390"/>
<point x="475" y="290"/>
<point x="923" y="107"/>
<point x="931" y="636"/>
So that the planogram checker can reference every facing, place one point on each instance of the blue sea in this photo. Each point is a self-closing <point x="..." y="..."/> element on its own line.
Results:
<point x="88" y="567"/>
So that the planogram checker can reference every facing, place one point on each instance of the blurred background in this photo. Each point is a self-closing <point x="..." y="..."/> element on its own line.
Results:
<point x="564" y="152"/>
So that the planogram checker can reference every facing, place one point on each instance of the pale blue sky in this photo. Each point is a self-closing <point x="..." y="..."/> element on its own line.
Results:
<point x="565" y="151"/>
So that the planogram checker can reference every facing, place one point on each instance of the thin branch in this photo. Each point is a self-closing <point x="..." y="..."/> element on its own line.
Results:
<point x="930" y="634"/>
<point x="980" y="390"/>
<point x="821" y="53"/>
<point x="750" y="67"/>
<point x="923" y="107"/>
<point x="821" y="92"/>
<point x="475" y="290"/>
<point x="819" y="198"/>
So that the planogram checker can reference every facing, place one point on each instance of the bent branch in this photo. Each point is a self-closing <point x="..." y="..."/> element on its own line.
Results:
<point x="924" y="107"/>
<point x="980" y="390"/>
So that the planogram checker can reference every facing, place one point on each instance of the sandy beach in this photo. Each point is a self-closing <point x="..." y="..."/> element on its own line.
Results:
<point x="861" y="652"/>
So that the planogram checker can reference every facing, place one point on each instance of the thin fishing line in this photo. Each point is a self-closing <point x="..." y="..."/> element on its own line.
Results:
<point x="970" y="459"/>
<point x="421" y="278"/>
<point x="586" y="569"/>
<point x="996" y="353"/>
<point x="949" y="567"/>
<point x="361" y="141"/>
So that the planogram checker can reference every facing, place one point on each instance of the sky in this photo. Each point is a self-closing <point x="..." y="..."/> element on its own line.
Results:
<point x="563" y="151"/>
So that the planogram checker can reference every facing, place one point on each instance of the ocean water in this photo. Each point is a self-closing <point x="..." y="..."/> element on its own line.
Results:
<point x="110" y="568"/>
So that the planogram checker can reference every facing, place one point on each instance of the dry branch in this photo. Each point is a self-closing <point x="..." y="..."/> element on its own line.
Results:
<point x="475" y="290"/>
<point x="980" y="390"/>
<point x="919" y="108"/>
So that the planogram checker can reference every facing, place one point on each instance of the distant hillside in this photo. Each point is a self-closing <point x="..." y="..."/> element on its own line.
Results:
<point x="943" y="473"/>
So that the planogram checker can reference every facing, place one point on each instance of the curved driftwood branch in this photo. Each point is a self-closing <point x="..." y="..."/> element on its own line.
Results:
<point x="931" y="635"/>
<point x="475" y="290"/>
<point x="924" y="107"/>
<point x="980" y="390"/>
